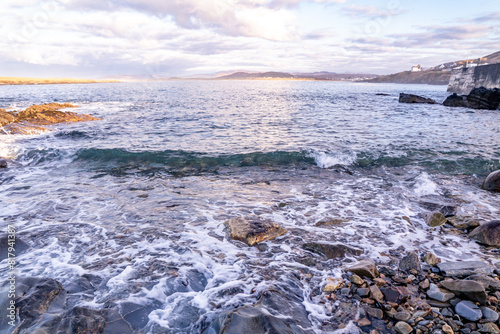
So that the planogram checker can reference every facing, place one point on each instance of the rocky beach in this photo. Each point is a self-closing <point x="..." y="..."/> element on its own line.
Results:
<point x="249" y="207"/>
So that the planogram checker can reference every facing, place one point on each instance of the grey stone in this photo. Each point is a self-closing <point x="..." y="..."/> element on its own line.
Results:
<point x="489" y="327"/>
<point x="403" y="328"/>
<point x="489" y="315"/>
<point x="363" y="292"/>
<point x="492" y="182"/>
<point x="438" y="294"/>
<point x="464" y="268"/>
<point x="410" y="262"/>
<point x="466" y="289"/>
<point x="3" y="163"/>
<point x="435" y="219"/>
<point x="486" y="281"/>
<point x="364" y="268"/>
<point x="411" y="98"/>
<point x="468" y="310"/>
<point x="375" y="312"/>
<point x="488" y="234"/>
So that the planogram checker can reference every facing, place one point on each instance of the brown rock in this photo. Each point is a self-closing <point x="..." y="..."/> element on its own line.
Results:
<point x="331" y="251"/>
<point x="376" y="294"/>
<point x="364" y="268"/>
<point x="253" y="229"/>
<point x="463" y="223"/>
<point x="5" y="117"/>
<point x="488" y="234"/>
<point x="431" y="259"/>
<point x="356" y="279"/>
<point x="364" y="322"/>
<point x="410" y="98"/>
<point x="434" y="219"/>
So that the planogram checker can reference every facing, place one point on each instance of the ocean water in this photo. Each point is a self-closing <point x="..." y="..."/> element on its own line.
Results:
<point x="137" y="201"/>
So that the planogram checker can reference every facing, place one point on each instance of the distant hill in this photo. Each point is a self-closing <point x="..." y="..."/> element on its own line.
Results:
<point x="437" y="75"/>
<point x="46" y="81"/>
<point x="306" y="76"/>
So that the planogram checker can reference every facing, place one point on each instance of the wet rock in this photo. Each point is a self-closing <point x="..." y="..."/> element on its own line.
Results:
<point x="492" y="182"/>
<point x="396" y="294"/>
<point x="411" y="98"/>
<point x="330" y="222"/>
<point x="434" y="219"/>
<point x="333" y="284"/>
<point x="375" y="312"/>
<point x="463" y="268"/>
<point x="466" y="289"/>
<point x="488" y="234"/>
<point x="486" y="281"/>
<point x="403" y="328"/>
<point x="431" y="259"/>
<point x="19" y="245"/>
<point x="276" y="312"/>
<point x="424" y="284"/>
<point x="253" y="229"/>
<point x="463" y="223"/>
<point x="435" y="204"/>
<point x="364" y="268"/>
<point x="3" y="163"/>
<point x="468" y="310"/>
<point x="489" y="315"/>
<point x="82" y="320"/>
<point x="331" y="251"/>
<point x="356" y="279"/>
<point x="376" y="294"/>
<point x="363" y="292"/>
<point x="410" y="262"/>
<point x="447" y="329"/>
<point x="37" y="116"/>
<point x="438" y="294"/>
<point x="478" y="98"/>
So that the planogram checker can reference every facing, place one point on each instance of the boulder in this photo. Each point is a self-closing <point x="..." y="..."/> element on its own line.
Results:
<point x="488" y="234"/>
<point x="364" y="268"/>
<point x="253" y="229"/>
<point x="433" y="204"/>
<point x="492" y="182"/>
<point x="478" y="98"/>
<point x="468" y="310"/>
<point x="410" y="98"/>
<point x="82" y="320"/>
<point x="466" y="289"/>
<point x="438" y="294"/>
<point x="5" y="117"/>
<point x="331" y="251"/>
<point x="431" y="259"/>
<point x="3" y="163"/>
<point x="463" y="223"/>
<point x="489" y="283"/>
<point x="410" y="262"/>
<point x="434" y="219"/>
<point x="463" y="268"/>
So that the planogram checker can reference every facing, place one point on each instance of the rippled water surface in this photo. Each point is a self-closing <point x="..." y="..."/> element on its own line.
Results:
<point x="138" y="200"/>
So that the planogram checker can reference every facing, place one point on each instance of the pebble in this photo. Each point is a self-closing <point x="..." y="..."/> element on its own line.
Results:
<point x="356" y="279"/>
<point x="403" y="328"/>
<point x="363" y="292"/>
<point x="364" y="322"/>
<point x="431" y="259"/>
<point x="468" y="310"/>
<point x="439" y="294"/>
<point x="447" y="329"/>
<point x="402" y="316"/>
<point x="489" y="315"/>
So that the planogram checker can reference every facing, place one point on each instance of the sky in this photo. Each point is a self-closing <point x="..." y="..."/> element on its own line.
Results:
<point x="166" y="38"/>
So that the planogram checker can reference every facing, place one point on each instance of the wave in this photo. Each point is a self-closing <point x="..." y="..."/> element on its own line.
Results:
<point x="175" y="160"/>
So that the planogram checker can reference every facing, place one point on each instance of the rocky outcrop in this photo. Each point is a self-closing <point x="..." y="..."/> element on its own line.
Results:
<point x="488" y="234"/>
<point x="492" y="182"/>
<point x="478" y="98"/>
<point x="253" y="229"/>
<point x="35" y="118"/>
<point x="410" y="98"/>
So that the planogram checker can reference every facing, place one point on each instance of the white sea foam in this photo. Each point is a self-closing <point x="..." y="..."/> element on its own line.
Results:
<point x="425" y="186"/>
<point x="328" y="160"/>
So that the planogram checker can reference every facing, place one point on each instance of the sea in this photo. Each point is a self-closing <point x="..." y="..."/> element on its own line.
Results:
<point x="128" y="212"/>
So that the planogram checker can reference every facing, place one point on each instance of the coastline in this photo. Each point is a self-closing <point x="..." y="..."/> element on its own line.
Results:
<point x="5" y="81"/>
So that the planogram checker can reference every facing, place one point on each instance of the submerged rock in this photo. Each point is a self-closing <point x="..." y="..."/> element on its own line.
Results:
<point x="364" y="268"/>
<point x="431" y="259"/>
<point x="253" y="229"/>
<point x="3" y="163"/>
<point x="82" y="320"/>
<point x="410" y="98"/>
<point x="488" y="234"/>
<point x="463" y="223"/>
<point x="466" y="289"/>
<point x="492" y="182"/>
<point x="19" y="246"/>
<point x="331" y="251"/>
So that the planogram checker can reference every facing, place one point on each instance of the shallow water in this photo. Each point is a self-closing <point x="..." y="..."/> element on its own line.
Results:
<point x="138" y="199"/>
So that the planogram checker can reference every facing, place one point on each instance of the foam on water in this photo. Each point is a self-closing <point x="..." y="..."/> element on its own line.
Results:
<point x="328" y="160"/>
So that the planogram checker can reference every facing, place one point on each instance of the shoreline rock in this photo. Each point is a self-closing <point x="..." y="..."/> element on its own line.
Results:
<point x="487" y="234"/>
<point x="253" y="229"/>
<point x="411" y="98"/>
<point x="492" y="181"/>
<point x="34" y="118"/>
<point x="478" y="98"/>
